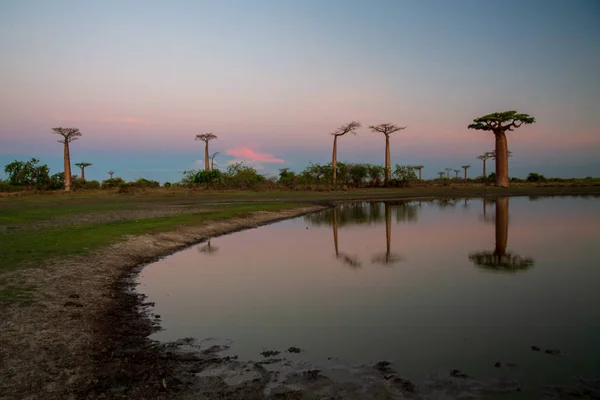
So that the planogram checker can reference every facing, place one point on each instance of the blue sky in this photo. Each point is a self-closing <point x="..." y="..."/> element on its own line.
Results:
<point x="273" y="78"/>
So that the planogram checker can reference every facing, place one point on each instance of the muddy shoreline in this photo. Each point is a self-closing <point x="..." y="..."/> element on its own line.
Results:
<point x="85" y="335"/>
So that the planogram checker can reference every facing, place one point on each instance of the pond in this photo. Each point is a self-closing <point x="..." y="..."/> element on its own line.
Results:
<point x="503" y="287"/>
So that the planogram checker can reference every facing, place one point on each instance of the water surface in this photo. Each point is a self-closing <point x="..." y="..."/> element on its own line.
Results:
<point x="429" y="285"/>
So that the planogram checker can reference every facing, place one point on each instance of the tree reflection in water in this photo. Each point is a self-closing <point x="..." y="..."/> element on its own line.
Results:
<point x="500" y="259"/>
<point x="208" y="249"/>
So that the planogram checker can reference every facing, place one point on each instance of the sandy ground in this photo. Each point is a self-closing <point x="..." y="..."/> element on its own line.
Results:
<point x="86" y="337"/>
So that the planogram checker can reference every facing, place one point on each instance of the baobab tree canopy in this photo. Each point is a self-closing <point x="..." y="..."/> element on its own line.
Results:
<point x="386" y="129"/>
<point x="206" y="137"/>
<point x="501" y="121"/>
<point x="69" y="134"/>
<point x="350" y="127"/>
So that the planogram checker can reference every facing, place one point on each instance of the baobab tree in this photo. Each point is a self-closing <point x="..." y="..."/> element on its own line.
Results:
<point x="448" y="172"/>
<point x="441" y="174"/>
<point x="419" y="168"/>
<point x="111" y="173"/>
<point x="83" y="165"/>
<point x="387" y="130"/>
<point x="484" y="157"/>
<point x="206" y="137"/>
<point x="69" y="135"/>
<point x="456" y="171"/>
<point x="350" y="127"/>
<point x="465" y="167"/>
<point x="212" y="159"/>
<point x="499" y="123"/>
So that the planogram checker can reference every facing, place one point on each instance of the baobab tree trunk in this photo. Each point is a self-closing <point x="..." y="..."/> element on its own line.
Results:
<point x="465" y="174"/>
<point x="334" y="159"/>
<point x="501" y="226"/>
<point x="206" y="162"/>
<point x="67" y="167"/>
<point x="388" y="168"/>
<point x="484" y="173"/>
<point x="501" y="160"/>
<point x="388" y="230"/>
<point x="83" y="174"/>
<point x="420" y="178"/>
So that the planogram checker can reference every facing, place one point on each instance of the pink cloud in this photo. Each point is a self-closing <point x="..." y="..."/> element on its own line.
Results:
<point x="246" y="153"/>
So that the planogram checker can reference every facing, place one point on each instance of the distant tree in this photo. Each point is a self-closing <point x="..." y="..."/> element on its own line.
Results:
<point x="375" y="173"/>
<point x="27" y="173"/>
<point x="484" y="157"/>
<point x="212" y="159"/>
<point x="465" y="167"/>
<point x="419" y="168"/>
<point x="456" y="171"/>
<point x="448" y="172"/>
<point x="83" y="166"/>
<point x="535" y="177"/>
<point x="441" y="174"/>
<point x="350" y="127"/>
<point x="111" y="173"/>
<point x="387" y="130"/>
<point x="499" y="123"/>
<point x="69" y="135"/>
<point x="206" y="137"/>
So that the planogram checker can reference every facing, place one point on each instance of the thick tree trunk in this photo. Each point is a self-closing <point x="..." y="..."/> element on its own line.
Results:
<point x="83" y="174"/>
<point x="67" y="167"/>
<point x="501" y="160"/>
<point x="420" y="178"/>
<point x="465" y="174"/>
<point x="334" y="159"/>
<point x="388" y="168"/>
<point x="501" y="227"/>
<point x="484" y="172"/>
<point x="206" y="162"/>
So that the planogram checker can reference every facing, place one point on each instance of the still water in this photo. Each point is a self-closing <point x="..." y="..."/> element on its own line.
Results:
<point x="429" y="285"/>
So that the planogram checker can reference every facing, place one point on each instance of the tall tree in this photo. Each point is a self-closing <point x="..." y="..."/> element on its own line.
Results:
<point x="484" y="157"/>
<point x="456" y="171"/>
<point x="441" y="174"/>
<point x="111" y="173"/>
<point x="69" y="135"/>
<point x="499" y="123"/>
<point x="465" y="167"/>
<point x="419" y="168"/>
<point x="387" y="130"/>
<point x="212" y="159"/>
<point x="83" y="166"/>
<point x="206" y="137"/>
<point x="448" y="172"/>
<point x="350" y="127"/>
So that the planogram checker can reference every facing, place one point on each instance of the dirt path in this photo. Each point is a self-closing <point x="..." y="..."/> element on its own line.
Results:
<point x="84" y="337"/>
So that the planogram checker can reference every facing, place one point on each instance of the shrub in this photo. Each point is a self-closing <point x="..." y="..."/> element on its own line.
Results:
<point x="207" y="177"/>
<point x="112" y="183"/>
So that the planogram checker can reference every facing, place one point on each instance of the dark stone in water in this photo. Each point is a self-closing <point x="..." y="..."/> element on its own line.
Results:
<point x="457" y="374"/>
<point x="312" y="374"/>
<point x="294" y="349"/>
<point x="383" y="366"/>
<point x="535" y="348"/>
<point x="157" y="316"/>
<point x="553" y="352"/>
<point x="498" y="364"/>
<point x="269" y="353"/>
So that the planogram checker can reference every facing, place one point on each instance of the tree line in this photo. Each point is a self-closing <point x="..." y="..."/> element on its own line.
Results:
<point x="31" y="175"/>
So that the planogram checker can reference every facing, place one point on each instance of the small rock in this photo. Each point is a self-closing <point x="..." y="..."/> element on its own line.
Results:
<point x="535" y="348"/>
<point x="457" y="374"/>
<point x="269" y="353"/>
<point x="312" y="374"/>
<point x="553" y="352"/>
<point x="72" y="304"/>
<point x="74" y="296"/>
<point x="157" y="316"/>
<point x="383" y="366"/>
<point x="498" y="364"/>
<point x="294" y="349"/>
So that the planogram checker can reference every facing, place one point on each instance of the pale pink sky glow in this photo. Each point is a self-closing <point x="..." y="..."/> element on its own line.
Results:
<point x="246" y="153"/>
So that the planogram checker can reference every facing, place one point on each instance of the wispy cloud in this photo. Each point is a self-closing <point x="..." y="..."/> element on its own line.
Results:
<point x="247" y="154"/>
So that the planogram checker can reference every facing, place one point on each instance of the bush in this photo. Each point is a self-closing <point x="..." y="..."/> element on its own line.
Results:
<point x="28" y="173"/>
<point x="112" y="183"/>
<point x="167" y="184"/>
<point x="242" y="176"/>
<point x="535" y="177"/>
<point x="403" y="175"/>
<point x="207" y="177"/>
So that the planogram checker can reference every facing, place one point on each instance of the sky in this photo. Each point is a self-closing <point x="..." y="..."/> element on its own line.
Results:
<point x="272" y="79"/>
